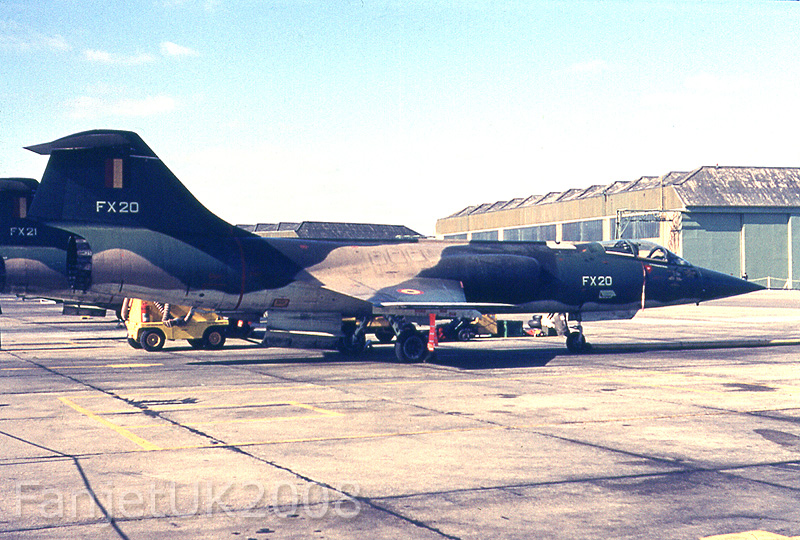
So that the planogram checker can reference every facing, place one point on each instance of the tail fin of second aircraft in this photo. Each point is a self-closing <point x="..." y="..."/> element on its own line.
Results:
<point x="108" y="177"/>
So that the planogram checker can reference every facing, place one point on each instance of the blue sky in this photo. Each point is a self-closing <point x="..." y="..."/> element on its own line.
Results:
<point x="403" y="111"/>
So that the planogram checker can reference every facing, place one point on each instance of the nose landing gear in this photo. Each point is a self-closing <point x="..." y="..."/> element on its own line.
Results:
<point x="576" y="342"/>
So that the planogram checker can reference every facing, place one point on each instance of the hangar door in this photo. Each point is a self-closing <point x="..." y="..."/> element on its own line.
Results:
<point x="766" y="252"/>
<point x="711" y="240"/>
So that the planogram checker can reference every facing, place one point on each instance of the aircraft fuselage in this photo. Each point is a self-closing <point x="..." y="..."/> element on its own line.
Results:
<point x="249" y="274"/>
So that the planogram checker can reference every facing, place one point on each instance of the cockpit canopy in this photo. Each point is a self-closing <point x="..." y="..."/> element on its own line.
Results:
<point x="643" y="249"/>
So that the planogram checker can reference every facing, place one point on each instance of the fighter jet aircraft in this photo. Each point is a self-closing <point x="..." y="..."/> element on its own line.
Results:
<point x="34" y="255"/>
<point x="136" y="231"/>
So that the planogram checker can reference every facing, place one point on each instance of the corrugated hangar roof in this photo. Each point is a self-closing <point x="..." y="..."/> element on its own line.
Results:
<point x="352" y="231"/>
<point x="740" y="186"/>
<point x="333" y="230"/>
<point x="706" y="186"/>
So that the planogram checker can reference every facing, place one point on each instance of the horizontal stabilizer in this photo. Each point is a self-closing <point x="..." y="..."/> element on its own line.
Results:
<point x="100" y="138"/>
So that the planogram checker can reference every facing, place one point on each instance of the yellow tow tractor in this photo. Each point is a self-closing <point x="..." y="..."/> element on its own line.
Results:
<point x="150" y="324"/>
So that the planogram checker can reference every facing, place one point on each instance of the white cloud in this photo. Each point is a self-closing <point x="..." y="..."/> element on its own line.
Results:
<point x="104" y="57"/>
<point x="171" y="49"/>
<point x="167" y="49"/>
<point x="94" y="107"/>
<point x="22" y="38"/>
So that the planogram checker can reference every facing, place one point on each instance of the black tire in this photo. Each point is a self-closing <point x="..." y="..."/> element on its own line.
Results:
<point x="576" y="343"/>
<point x="384" y="334"/>
<point x="214" y="338"/>
<point x="411" y="347"/>
<point x="133" y="343"/>
<point x="152" y="339"/>
<point x="196" y="343"/>
<point x="352" y="344"/>
<point x="466" y="334"/>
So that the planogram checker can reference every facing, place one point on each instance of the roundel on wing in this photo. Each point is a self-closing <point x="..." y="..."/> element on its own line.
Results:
<point x="409" y="291"/>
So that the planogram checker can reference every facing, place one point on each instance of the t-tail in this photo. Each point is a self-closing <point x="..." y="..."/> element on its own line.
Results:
<point x="109" y="177"/>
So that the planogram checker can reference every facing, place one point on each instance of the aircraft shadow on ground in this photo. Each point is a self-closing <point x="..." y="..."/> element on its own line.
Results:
<point x="473" y="359"/>
<point x="468" y="359"/>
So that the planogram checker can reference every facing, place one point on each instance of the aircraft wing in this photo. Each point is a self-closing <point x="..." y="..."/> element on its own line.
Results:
<point x="429" y="294"/>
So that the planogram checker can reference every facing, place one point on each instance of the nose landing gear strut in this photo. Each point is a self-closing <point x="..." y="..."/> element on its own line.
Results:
<point x="576" y="342"/>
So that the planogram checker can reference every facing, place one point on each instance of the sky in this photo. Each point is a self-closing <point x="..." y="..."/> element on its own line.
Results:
<point x="403" y="111"/>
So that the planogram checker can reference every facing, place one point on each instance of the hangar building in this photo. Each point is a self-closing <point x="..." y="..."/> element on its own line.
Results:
<point x="744" y="221"/>
<point x="327" y="230"/>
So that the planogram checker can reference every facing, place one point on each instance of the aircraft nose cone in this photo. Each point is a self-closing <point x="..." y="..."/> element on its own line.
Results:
<point x="719" y="285"/>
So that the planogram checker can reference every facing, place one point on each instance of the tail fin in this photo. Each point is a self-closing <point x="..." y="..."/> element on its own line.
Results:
<point x="108" y="177"/>
<point x="15" y="198"/>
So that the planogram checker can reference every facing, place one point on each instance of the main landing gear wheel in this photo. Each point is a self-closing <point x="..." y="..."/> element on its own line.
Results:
<point x="214" y="338"/>
<point x="466" y="334"/>
<point x="576" y="343"/>
<point x="152" y="340"/>
<point x="411" y="347"/>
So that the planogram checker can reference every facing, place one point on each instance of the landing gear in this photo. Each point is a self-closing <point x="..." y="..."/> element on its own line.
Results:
<point x="576" y="342"/>
<point x="411" y="346"/>
<point x="466" y="334"/>
<point x="457" y="330"/>
<point x="353" y="340"/>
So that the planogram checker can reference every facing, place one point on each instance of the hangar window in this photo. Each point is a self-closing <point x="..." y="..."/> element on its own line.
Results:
<point x="538" y="233"/>
<point x="485" y="235"/>
<point x="641" y="229"/>
<point x="582" y="231"/>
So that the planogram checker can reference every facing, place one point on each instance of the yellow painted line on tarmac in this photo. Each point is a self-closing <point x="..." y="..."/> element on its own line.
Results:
<point x="189" y="407"/>
<point x="342" y="437"/>
<point x="144" y="444"/>
<point x="216" y="390"/>
<point x="319" y="386"/>
<point x="115" y="366"/>
<point x="751" y="535"/>
<point x="536" y="376"/>
<point x="264" y="419"/>
<point x="539" y="377"/>
<point x="316" y="409"/>
<point x="130" y="365"/>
